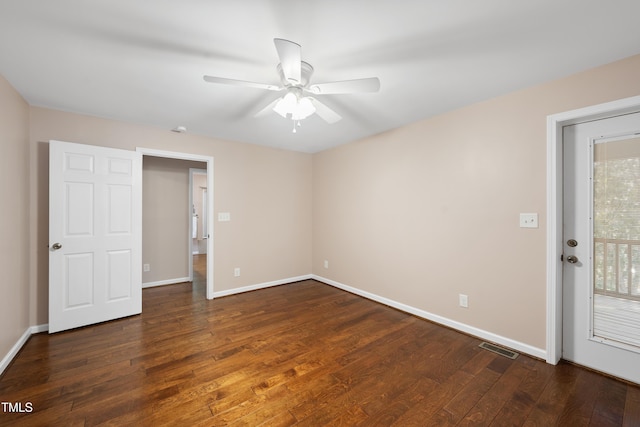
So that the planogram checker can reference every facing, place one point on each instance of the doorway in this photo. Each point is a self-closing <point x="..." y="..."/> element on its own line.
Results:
<point x="208" y="160"/>
<point x="558" y="247"/>
<point x="199" y="228"/>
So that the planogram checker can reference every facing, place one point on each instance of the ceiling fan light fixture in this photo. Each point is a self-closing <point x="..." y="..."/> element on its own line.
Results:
<point x="293" y="107"/>
<point x="295" y="77"/>
<point x="286" y="105"/>
<point x="304" y="109"/>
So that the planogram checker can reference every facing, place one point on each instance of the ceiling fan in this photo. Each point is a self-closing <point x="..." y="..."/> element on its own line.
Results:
<point x="295" y="77"/>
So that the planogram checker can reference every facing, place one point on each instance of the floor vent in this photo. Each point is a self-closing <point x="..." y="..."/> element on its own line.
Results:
<point x="499" y="350"/>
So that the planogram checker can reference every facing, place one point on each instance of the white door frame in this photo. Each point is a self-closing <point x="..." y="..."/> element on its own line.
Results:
<point x="555" y="123"/>
<point x="209" y="161"/>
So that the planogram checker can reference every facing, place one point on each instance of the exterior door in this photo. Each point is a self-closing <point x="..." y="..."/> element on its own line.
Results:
<point x="601" y="270"/>
<point x="95" y="234"/>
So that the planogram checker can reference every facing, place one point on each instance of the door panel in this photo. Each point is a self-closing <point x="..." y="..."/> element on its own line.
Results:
<point x="95" y="227"/>
<point x="600" y="238"/>
<point x="78" y="209"/>
<point x="120" y="205"/>
<point x="118" y="281"/>
<point x="78" y="280"/>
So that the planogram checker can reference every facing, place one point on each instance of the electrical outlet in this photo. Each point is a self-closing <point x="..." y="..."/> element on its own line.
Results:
<point x="463" y="300"/>
<point x="146" y="267"/>
<point x="528" y="220"/>
<point x="236" y="272"/>
<point x="326" y="264"/>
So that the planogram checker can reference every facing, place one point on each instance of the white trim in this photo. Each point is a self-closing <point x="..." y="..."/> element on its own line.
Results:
<point x="6" y="360"/>
<point x="555" y="123"/>
<point x="14" y="350"/>
<point x="480" y="333"/>
<point x="39" y="328"/>
<point x="165" y="282"/>
<point x="262" y="286"/>
<point x="210" y="197"/>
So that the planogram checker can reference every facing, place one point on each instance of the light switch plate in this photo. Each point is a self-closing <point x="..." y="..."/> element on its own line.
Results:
<point x="224" y="216"/>
<point x="528" y="220"/>
<point x="463" y="300"/>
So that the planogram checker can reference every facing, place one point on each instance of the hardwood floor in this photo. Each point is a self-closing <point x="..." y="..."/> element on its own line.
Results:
<point x="300" y="354"/>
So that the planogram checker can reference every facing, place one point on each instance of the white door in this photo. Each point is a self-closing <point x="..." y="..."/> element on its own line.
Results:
<point x="95" y="234"/>
<point x="601" y="270"/>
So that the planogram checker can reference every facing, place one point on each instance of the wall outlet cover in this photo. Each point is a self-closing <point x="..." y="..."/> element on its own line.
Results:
<point x="463" y="300"/>
<point x="528" y="220"/>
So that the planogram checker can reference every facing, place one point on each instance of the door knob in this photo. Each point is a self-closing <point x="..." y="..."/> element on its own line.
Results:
<point x="572" y="259"/>
<point x="56" y="246"/>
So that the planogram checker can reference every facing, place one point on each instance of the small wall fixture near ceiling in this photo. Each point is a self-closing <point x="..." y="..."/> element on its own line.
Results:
<point x="295" y="76"/>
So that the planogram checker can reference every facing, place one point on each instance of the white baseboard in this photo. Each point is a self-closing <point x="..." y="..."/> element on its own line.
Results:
<point x="165" y="282"/>
<point x="6" y="360"/>
<point x="261" y="286"/>
<point x="471" y="330"/>
<point x="39" y="328"/>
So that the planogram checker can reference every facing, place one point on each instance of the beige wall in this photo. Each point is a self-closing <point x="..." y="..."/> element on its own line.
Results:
<point x="14" y="226"/>
<point x="430" y="210"/>
<point x="165" y="218"/>
<point x="267" y="192"/>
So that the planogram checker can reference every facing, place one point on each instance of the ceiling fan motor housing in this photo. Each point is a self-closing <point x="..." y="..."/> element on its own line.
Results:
<point x="306" y="71"/>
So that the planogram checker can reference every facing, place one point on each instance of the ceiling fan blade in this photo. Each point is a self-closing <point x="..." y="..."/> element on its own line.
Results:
<point x="371" y="84"/>
<point x="244" y="83"/>
<point x="325" y="113"/>
<point x="290" y="59"/>
<point x="268" y="109"/>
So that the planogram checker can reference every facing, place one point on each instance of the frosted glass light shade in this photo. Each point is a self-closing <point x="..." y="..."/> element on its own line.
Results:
<point x="295" y="108"/>
<point x="286" y="105"/>
<point x="304" y="109"/>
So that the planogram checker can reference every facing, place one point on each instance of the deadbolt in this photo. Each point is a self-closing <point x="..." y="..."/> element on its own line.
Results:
<point x="572" y="259"/>
<point x="572" y="243"/>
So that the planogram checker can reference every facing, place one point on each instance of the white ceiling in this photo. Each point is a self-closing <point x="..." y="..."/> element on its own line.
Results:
<point x="142" y="61"/>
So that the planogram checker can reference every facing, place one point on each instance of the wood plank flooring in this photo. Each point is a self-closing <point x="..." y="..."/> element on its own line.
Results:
<point x="302" y="354"/>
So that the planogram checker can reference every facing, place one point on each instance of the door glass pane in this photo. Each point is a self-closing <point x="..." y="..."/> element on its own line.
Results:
<point x="616" y="245"/>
